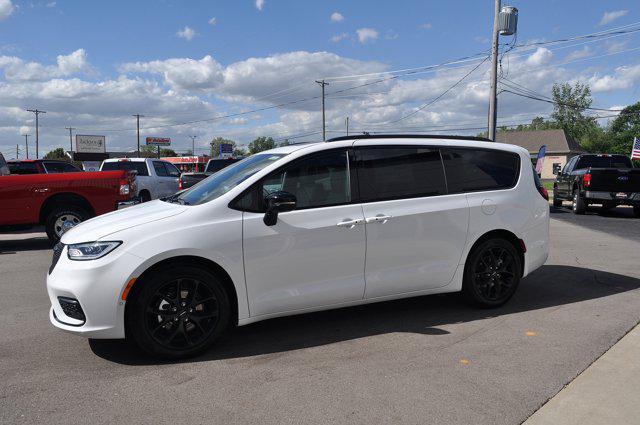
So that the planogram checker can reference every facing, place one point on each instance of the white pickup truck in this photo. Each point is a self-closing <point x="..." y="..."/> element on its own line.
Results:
<point x="155" y="178"/>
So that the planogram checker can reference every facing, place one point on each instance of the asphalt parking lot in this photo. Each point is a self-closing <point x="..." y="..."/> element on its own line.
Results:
<point x="423" y="360"/>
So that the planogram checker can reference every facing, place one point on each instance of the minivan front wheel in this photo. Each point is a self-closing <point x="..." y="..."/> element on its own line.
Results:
<point x="492" y="273"/>
<point x="179" y="312"/>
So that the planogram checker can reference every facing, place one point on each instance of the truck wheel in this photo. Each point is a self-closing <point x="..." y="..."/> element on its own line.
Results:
<point x="145" y="196"/>
<point x="62" y="219"/>
<point x="557" y="202"/>
<point x="579" y="206"/>
<point x="179" y="312"/>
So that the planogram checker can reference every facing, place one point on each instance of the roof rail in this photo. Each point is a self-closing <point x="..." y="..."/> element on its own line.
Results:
<point x="409" y="136"/>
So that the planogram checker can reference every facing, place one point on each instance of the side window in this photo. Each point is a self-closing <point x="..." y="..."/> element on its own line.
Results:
<point x="317" y="180"/>
<point x="392" y="172"/>
<point x="470" y="170"/>
<point x="69" y="168"/>
<point x="172" y="170"/>
<point x="161" y="171"/>
<point x="54" y="167"/>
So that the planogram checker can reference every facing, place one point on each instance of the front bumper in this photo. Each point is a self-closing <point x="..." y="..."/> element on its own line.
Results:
<point x="97" y="286"/>
<point x="617" y="198"/>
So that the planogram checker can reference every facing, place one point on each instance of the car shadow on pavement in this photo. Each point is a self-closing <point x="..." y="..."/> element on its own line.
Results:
<point x="18" y="245"/>
<point x="549" y="286"/>
<point x="618" y="212"/>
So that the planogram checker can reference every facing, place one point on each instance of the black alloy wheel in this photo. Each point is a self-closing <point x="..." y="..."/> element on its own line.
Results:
<point x="492" y="273"/>
<point x="179" y="312"/>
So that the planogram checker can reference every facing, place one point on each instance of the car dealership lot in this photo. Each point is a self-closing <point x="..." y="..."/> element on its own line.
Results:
<point x="429" y="359"/>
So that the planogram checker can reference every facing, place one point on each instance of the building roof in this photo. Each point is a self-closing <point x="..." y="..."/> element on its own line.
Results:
<point x="557" y="141"/>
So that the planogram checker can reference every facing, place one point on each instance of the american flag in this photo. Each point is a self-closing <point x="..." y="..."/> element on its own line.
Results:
<point x="635" y="150"/>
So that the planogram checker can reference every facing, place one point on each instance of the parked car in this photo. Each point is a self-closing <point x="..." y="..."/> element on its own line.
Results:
<point x="213" y="166"/>
<point x="609" y="180"/>
<point x="155" y="178"/>
<point x="301" y="228"/>
<point x="41" y="166"/>
<point x="60" y="201"/>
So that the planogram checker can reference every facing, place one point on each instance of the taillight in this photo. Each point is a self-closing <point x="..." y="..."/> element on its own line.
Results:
<point x="587" y="180"/>
<point x="543" y="191"/>
<point x="125" y="188"/>
<point x="180" y="183"/>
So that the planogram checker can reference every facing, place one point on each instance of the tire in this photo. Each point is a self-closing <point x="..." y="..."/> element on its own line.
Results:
<point x="62" y="219"/>
<point x="145" y="196"/>
<point x="557" y="202"/>
<point x="492" y="274"/>
<point x="164" y="319"/>
<point x="578" y="206"/>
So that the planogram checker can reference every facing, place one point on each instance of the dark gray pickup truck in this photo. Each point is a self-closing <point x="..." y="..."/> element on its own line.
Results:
<point x="213" y="166"/>
<point x="608" y="180"/>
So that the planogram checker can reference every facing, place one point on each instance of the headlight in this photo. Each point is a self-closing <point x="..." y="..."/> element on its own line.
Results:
<point x="91" y="250"/>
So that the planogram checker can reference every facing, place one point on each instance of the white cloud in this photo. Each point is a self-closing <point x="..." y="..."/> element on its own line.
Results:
<point x="541" y="56"/>
<point x="426" y="26"/>
<point x="367" y="34"/>
<point x="624" y="77"/>
<point x="609" y="17"/>
<point x="51" y="4"/>
<point x="337" y="17"/>
<point x="182" y="73"/>
<point x="213" y="21"/>
<point x="260" y="4"/>
<point x="73" y="63"/>
<point x="339" y="37"/>
<point x="391" y="35"/>
<point x="187" y="33"/>
<point x="24" y="129"/>
<point x="585" y="52"/>
<point x="6" y="8"/>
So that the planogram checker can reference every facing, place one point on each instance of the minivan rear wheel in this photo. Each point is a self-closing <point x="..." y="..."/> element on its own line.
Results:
<point x="179" y="312"/>
<point x="492" y="273"/>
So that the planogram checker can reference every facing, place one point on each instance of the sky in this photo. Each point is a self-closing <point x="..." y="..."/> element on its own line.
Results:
<point x="247" y="68"/>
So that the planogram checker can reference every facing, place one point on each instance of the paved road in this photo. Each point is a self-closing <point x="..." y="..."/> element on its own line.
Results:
<point x="423" y="360"/>
<point x="618" y="221"/>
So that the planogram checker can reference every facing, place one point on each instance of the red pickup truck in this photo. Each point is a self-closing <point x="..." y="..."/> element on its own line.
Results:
<point x="60" y="201"/>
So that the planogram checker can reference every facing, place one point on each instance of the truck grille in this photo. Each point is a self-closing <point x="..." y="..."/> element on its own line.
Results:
<point x="57" y="251"/>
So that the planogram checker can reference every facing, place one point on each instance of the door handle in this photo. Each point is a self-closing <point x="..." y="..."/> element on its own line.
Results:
<point x="350" y="224"/>
<point x="380" y="218"/>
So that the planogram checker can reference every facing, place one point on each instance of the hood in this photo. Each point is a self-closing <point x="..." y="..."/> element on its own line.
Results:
<point x="106" y="224"/>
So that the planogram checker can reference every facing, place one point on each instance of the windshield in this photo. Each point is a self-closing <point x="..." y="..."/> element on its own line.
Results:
<point x="613" y="161"/>
<point x="223" y="181"/>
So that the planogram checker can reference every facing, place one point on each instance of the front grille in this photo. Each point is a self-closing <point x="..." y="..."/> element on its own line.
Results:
<point x="71" y="307"/>
<point x="57" y="251"/>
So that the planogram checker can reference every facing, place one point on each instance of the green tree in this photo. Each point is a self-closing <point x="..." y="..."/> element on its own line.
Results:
<point x="570" y="105"/>
<point x="261" y="144"/>
<point x="215" y="145"/>
<point x="165" y="152"/>
<point x="238" y="151"/>
<point x="57" y="153"/>
<point x="624" y="128"/>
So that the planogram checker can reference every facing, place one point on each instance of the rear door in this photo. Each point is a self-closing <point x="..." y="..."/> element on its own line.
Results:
<point x="415" y="231"/>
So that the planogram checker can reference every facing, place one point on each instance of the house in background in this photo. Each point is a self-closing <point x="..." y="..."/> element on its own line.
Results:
<point x="560" y="147"/>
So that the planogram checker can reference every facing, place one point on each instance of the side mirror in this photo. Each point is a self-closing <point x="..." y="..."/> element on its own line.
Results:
<point x="278" y="202"/>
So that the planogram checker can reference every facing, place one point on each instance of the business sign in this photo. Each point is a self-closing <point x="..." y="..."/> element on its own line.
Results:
<point x="226" y="150"/>
<point x="158" y="141"/>
<point x="90" y="144"/>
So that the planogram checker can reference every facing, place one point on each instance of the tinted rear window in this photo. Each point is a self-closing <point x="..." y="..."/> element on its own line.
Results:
<point x="140" y="167"/>
<point x="399" y="172"/>
<point x="470" y="170"/>
<point x="59" y="167"/>
<point x="216" y="165"/>
<point x="23" y="168"/>
<point x="615" y="161"/>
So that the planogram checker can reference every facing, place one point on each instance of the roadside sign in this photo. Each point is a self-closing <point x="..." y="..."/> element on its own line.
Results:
<point x="226" y="150"/>
<point x="90" y="143"/>
<point x="158" y="141"/>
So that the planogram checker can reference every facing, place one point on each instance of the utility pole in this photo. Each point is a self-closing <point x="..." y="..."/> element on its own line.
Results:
<point x="138" y="126"/>
<point x="324" y="128"/>
<point x="493" y="96"/>
<point x="193" y="145"/>
<point x="70" y="137"/>
<point x="347" y="126"/>
<point x="17" y="151"/>
<point x="26" y="144"/>
<point x="37" y="112"/>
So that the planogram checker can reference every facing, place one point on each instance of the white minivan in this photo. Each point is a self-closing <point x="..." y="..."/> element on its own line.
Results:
<point x="303" y="228"/>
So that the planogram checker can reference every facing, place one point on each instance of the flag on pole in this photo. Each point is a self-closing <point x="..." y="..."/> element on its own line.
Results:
<point x="635" y="150"/>
<point x="540" y="160"/>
